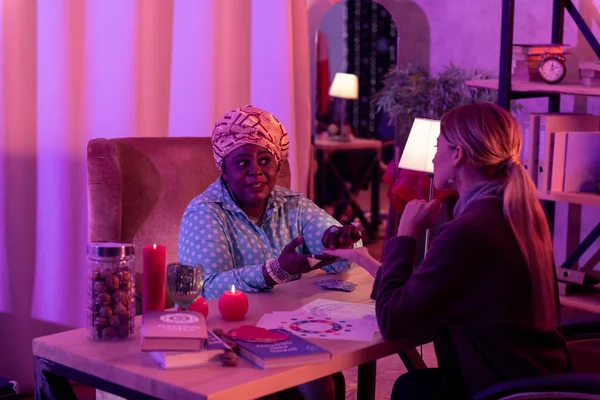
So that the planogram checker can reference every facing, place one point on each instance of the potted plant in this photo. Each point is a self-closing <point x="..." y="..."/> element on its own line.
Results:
<point x="410" y="92"/>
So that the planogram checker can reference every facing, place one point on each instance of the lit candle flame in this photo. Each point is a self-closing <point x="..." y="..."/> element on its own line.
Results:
<point x="154" y="246"/>
<point x="232" y="288"/>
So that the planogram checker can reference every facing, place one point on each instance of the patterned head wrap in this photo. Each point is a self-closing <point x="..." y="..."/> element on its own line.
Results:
<point x="249" y="125"/>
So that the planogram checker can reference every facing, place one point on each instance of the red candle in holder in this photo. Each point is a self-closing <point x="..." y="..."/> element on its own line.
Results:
<point x="154" y="274"/>
<point x="233" y="304"/>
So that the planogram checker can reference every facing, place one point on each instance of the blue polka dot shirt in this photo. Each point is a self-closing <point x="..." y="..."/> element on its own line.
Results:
<point x="216" y="234"/>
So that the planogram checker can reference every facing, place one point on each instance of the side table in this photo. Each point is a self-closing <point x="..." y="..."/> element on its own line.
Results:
<point x="324" y="149"/>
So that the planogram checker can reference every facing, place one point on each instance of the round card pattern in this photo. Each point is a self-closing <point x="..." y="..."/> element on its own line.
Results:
<point x="321" y="327"/>
<point x="344" y="311"/>
<point x="179" y="318"/>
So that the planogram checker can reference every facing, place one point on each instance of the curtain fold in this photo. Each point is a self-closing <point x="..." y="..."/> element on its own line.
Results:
<point x="155" y="27"/>
<point x="189" y="112"/>
<point x="280" y="75"/>
<point x="232" y="35"/>
<point x="76" y="70"/>
<point x="4" y="272"/>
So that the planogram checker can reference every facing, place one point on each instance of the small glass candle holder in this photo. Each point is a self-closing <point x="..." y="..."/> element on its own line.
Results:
<point x="184" y="283"/>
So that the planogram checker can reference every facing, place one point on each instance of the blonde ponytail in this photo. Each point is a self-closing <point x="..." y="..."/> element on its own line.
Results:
<point x="491" y="139"/>
<point x="524" y="213"/>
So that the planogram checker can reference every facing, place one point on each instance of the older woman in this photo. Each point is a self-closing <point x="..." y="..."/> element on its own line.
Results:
<point x="245" y="230"/>
<point x="486" y="287"/>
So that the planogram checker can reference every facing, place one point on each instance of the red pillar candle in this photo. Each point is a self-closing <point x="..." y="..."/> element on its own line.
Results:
<point x="154" y="274"/>
<point x="233" y="304"/>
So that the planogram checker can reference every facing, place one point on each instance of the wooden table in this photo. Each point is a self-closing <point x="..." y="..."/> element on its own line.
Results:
<point x="325" y="148"/>
<point x="123" y="369"/>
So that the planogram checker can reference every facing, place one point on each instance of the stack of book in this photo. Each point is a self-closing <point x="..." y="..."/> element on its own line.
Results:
<point x="526" y="59"/>
<point x="589" y="73"/>
<point x="560" y="150"/>
<point x="180" y="339"/>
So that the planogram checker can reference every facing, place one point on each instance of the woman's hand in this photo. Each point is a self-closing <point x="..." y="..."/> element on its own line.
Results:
<point x="359" y="255"/>
<point x="341" y="237"/>
<point x="417" y="216"/>
<point x="294" y="263"/>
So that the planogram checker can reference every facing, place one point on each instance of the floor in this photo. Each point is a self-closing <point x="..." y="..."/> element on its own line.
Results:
<point x="388" y="369"/>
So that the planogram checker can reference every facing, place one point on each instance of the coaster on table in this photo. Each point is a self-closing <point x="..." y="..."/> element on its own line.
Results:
<point x="336" y="284"/>
<point x="255" y="334"/>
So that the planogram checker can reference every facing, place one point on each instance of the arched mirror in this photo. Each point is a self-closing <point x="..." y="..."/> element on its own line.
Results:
<point x="364" y="38"/>
<point x="354" y="43"/>
<point x="355" y="46"/>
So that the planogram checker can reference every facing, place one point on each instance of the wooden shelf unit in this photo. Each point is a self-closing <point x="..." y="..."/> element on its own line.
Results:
<point x="588" y="199"/>
<point x="509" y="90"/>
<point x="588" y="302"/>
<point x="540" y="88"/>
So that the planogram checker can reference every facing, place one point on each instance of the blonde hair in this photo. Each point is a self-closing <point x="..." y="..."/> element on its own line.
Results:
<point x="491" y="139"/>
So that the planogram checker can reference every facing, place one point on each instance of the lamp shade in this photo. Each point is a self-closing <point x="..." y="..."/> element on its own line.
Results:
<point x="344" y="86"/>
<point x="420" y="147"/>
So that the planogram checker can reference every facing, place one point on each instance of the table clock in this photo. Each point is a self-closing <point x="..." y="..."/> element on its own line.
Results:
<point x="552" y="68"/>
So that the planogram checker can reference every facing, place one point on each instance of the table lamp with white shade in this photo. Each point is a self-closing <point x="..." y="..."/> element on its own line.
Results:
<point x="419" y="152"/>
<point x="345" y="87"/>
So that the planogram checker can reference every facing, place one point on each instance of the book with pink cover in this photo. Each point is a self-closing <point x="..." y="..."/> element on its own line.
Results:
<point x="211" y="354"/>
<point x="173" y="331"/>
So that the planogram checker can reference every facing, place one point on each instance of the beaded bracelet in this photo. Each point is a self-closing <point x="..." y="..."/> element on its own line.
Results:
<point x="275" y="271"/>
<point x="270" y="271"/>
<point x="272" y="274"/>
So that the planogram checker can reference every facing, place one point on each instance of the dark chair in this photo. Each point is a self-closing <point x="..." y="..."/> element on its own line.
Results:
<point x="556" y="386"/>
<point x="583" y="341"/>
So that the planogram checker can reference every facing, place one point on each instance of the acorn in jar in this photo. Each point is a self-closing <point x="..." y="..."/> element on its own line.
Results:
<point x="111" y="291"/>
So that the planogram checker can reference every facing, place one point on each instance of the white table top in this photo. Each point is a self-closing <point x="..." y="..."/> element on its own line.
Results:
<point x="125" y="364"/>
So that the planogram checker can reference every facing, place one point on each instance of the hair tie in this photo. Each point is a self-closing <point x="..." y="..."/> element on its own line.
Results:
<point x="509" y="162"/>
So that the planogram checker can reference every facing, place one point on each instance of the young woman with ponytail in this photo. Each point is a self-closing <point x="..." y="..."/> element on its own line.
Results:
<point x="485" y="291"/>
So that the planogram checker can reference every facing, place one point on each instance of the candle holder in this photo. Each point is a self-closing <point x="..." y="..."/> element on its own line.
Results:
<point x="184" y="283"/>
<point x="233" y="304"/>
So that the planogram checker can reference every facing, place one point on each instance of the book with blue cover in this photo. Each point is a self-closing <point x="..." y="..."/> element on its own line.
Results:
<point x="286" y="353"/>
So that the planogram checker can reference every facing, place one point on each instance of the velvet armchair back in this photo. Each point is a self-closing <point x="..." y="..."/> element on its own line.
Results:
<point x="138" y="189"/>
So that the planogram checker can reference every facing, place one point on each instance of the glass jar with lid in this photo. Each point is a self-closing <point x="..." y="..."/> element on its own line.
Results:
<point x="111" y="291"/>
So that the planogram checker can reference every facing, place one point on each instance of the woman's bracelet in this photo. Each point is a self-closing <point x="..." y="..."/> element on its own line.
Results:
<point x="275" y="271"/>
